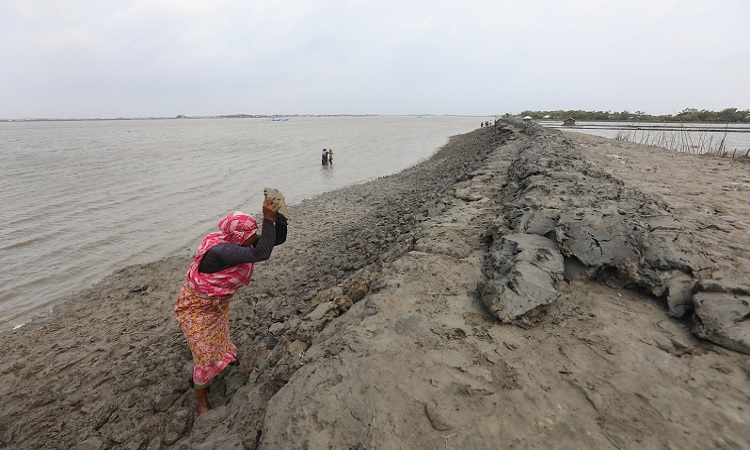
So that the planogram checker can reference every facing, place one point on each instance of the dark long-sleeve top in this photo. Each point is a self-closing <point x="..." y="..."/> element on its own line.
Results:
<point x="223" y="256"/>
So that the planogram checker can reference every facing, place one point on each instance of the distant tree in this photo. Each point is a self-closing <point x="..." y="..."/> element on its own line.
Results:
<point x="686" y="115"/>
<point x="733" y="115"/>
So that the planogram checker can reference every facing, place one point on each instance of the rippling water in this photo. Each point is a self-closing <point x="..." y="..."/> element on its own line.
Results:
<point x="83" y="198"/>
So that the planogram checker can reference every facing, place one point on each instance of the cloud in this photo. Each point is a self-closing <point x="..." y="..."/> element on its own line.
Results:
<point x="84" y="58"/>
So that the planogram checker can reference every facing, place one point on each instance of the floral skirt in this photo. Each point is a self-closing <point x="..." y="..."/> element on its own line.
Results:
<point x="204" y="321"/>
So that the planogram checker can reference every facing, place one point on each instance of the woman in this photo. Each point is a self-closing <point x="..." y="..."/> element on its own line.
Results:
<point x="224" y="263"/>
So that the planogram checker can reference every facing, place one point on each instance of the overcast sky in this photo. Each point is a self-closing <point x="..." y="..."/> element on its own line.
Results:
<point x="161" y="58"/>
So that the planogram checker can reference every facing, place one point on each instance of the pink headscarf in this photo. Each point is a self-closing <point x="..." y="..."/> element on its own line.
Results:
<point x="235" y="229"/>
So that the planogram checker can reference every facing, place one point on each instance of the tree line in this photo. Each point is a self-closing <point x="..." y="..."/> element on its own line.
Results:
<point x="686" y="115"/>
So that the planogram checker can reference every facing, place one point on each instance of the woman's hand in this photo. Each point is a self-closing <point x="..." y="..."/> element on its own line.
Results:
<point x="270" y="206"/>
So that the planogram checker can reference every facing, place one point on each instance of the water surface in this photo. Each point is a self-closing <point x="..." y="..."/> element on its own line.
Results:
<point x="81" y="199"/>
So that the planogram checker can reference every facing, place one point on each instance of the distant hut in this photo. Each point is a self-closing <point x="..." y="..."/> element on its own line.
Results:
<point x="569" y="122"/>
<point x="527" y="119"/>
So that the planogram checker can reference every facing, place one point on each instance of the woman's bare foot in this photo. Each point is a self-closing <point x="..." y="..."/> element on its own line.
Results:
<point x="201" y="395"/>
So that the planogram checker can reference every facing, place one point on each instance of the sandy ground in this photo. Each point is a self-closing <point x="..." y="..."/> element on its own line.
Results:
<point x="458" y="304"/>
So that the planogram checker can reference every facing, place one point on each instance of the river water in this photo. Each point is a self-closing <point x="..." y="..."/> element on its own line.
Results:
<point x="81" y="199"/>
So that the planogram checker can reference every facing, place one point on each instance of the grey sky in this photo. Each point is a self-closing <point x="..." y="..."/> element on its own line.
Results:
<point x="160" y="58"/>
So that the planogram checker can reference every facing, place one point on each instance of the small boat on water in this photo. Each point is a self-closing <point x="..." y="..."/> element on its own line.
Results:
<point x="277" y="119"/>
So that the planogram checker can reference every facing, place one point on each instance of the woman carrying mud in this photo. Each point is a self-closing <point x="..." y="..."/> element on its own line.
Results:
<point x="224" y="263"/>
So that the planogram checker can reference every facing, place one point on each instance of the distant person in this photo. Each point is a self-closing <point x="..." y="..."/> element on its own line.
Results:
<point x="330" y="156"/>
<point x="325" y="157"/>
<point x="224" y="263"/>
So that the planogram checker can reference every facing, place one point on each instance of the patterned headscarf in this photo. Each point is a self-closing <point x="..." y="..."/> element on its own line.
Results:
<point x="235" y="229"/>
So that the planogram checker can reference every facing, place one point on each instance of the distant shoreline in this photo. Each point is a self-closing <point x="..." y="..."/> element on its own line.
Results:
<point x="544" y="122"/>
<point x="235" y="116"/>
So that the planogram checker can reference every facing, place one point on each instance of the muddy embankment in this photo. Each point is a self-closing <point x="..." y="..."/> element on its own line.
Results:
<point x="521" y="288"/>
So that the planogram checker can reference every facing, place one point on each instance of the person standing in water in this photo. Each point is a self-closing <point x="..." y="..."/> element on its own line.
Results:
<point x="324" y="161"/>
<point x="330" y="156"/>
<point x="224" y="263"/>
